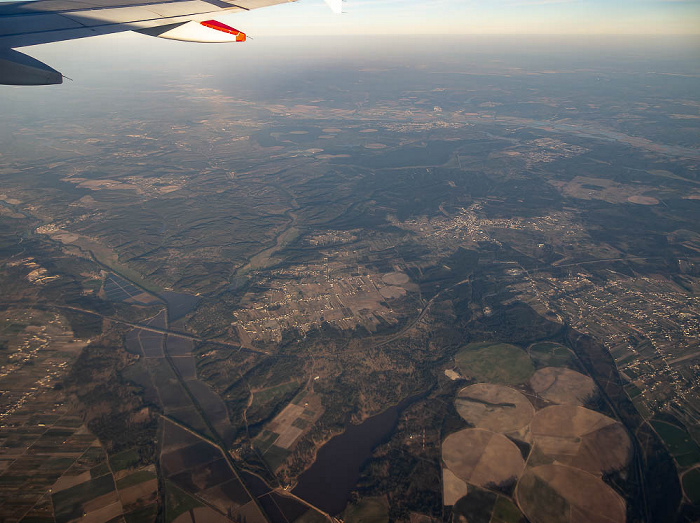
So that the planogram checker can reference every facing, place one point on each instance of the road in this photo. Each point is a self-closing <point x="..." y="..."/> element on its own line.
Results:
<point x="415" y="322"/>
<point x="136" y="325"/>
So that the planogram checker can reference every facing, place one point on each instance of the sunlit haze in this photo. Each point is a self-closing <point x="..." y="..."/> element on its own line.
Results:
<point x="479" y="17"/>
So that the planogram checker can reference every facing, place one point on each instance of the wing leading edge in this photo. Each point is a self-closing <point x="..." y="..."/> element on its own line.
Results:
<point x="43" y="21"/>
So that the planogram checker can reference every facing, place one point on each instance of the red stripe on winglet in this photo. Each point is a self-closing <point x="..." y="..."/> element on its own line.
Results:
<point x="218" y="26"/>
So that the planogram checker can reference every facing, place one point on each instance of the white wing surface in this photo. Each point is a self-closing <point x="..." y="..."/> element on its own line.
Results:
<point x="43" y="21"/>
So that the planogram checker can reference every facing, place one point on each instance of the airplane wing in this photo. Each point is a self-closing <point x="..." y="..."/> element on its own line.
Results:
<point x="42" y="21"/>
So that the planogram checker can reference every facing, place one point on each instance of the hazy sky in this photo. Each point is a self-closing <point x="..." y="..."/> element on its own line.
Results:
<point x="477" y="17"/>
<point x="420" y="17"/>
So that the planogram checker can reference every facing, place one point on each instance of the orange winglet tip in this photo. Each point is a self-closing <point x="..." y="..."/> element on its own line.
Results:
<point x="218" y="26"/>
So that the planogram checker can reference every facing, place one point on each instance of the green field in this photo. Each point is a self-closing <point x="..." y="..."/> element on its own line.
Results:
<point x="368" y="510"/>
<point x="548" y="354"/>
<point x="137" y="477"/>
<point x="312" y="516"/>
<point x="275" y="456"/>
<point x="476" y="507"/>
<point x="99" y="470"/>
<point x="536" y="497"/>
<point x="108" y="257"/>
<point x="265" y="440"/>
<point x="681" y="446"/>
<point x="299" y="398"/>
<point x="506" y="512"/>
<point x="495" y="363"/>
<point x="124" y="460"/>
<point x="177" y="502"/>
<point x="68" y="503"/>
<point x="142" y="515"/>
<point x="632" y="390"/>
<point x="691" y="485"/>
<point x="265" y="259"/>
<point x="641" y="407"/>
<point x="301" y="424"/>
<point x="273" y="394"/>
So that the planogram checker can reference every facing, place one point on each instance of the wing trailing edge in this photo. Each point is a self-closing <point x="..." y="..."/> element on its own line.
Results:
<point x="208" y="31"/>
<point x="26" y="23"/>
<point x="20" y="69"/>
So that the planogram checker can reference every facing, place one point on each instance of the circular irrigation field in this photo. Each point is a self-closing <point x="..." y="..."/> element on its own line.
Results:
<point x="550" y="354"/>
<point x="495" y="363"/>
<point x="581" y="438"/>
<point x="562" y="385"/>
<point x="482" y="458"/>
<point x="561" y="494"/>
<point x="494" y="407"/>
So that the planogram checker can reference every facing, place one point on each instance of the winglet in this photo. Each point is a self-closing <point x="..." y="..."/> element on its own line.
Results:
<point x="335" y="5"/>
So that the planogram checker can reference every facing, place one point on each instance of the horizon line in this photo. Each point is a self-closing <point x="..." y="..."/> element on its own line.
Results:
<point x="414" y="35"/>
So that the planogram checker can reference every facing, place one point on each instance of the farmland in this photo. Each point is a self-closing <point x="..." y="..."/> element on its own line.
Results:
<point x="457" y="284"/>
<point x="497" y="363"/>
<point x="563" y="494"/>
<point x="482" y="458"/>
<point x="564" y="449"/>
<point x="562" y="385"/>
<point x="494" y="407"/>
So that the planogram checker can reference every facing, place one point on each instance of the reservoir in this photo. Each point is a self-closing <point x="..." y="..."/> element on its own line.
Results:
<point x="179" y="304"/>
<point x="327" y="484"/>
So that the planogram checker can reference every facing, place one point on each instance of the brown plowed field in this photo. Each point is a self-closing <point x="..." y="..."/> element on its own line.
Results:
<point x="482" y="457"/>
<point x="494" y="407"/>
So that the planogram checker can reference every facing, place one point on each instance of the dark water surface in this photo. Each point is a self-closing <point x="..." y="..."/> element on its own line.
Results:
<point x="179" y="304"/>
<point x="330" y="480"/>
